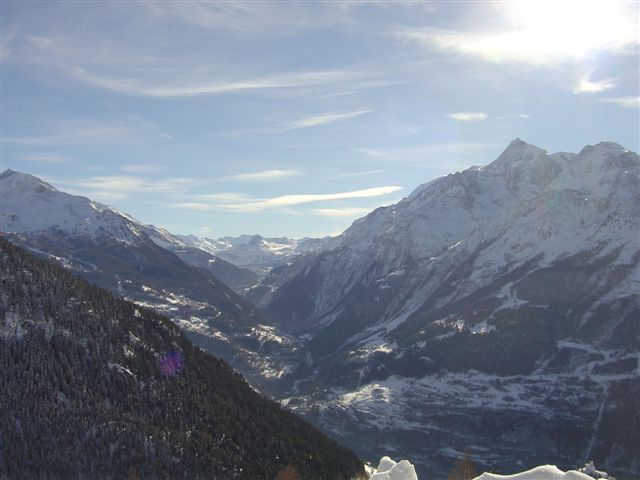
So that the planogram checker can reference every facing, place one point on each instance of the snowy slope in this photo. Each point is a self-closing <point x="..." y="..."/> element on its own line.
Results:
<point x="389" y="469"/>
<point x="30" y="205"/>
<point x="527" y="204"/>
<point x="145" y="264"/>
<point x="545" y="472"/>
<point x="480" y="302"/>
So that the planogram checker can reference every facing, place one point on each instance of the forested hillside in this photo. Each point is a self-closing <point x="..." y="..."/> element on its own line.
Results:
<point x="97" y="387"/>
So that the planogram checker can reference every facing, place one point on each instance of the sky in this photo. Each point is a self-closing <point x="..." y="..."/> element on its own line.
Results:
<point x="296" y="118"/>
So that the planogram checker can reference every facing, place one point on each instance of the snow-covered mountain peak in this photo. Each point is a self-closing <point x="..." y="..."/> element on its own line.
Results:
<point x="605" y="156"/>
<point x="518" y="151"/>
<point x="526" y="205"/>
<point x="255" y="252"/>
<point x="602" y="171"/>
<point x="256" y="240"/>
<point x="23" y="183"/>
<point x="603" y="149"/>
<point x="525" y="167"/>
<point x="30" y="205"/>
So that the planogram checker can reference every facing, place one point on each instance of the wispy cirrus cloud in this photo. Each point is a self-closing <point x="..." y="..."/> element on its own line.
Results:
<point x="364" y="173"/>
<point x="346" y="212"/>
<point x="251" y="19"/>
<point x="81" y="135"/>
<point x="129" y="130"/>
<point x="586" y="85"/>
<point x="301" y="123"/>
<point x="157" y="68"/>
<point x="45" y="157"/>
<point x="192" y="205"/>
<point x="186" y="83"/>
<point x="130" y="183"/>
<point x="240" y="203"/>
<point x="626" y="102"/>
<point x="450" y="156"/>
<point x="323" y="119"/>
<point x="468" y="116"/>
<point x="514" y="116"/>
<point x="265" y="175"/>
<point x="116" y="187"/>
<point x="140" y="168"/>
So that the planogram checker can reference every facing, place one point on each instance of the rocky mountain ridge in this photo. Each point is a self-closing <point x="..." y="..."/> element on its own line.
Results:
<point x="145" y="264"/>
<point x="483" y="302"/>
<point x="490" y="309"/>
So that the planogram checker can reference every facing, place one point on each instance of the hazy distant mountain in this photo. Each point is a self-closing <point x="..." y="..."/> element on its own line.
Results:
<point x="97" y="387"/>
<point x="274" y="261"/>
<point x="196" y="253"/>
<point x="145" y="264"/>
<point x="490" y="309"/>
<point x="256" y="252"/>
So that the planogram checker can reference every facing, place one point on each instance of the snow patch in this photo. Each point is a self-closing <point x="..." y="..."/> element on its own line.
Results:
<point x="544" y="472"/>
<point x="388" y="469"/>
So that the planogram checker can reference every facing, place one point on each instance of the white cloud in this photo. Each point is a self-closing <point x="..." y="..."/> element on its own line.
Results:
<point x="521" y="116"/>
<point x="44" y="157"/>
<point x="265" y="175"/>
<point x="100" y="195"/>
<point x="587" y="86"/>
<point x="250" y="18"/>
<point x="121" y="186"/>
<point x="365" y="173"/>
<point x="188" y="84"/>
<point x="468" y="116"/>
<point x="627" y="102"/>
<point x="439" y="158"/>
<point x="224" y="197"/>
<point x="307" y="122"/>
<point x="323" y="119"/>
<point x="155" y="55"/>
<point x="139" y="168"/>
<point x="236" y="202"/>
<point x="130" y="130"/>
<point x="290" y="200"/>
<point x="77" y="136"/>
<point x="539" y="32"/>
<point x="341" y="212"/>
<point x="192" y="206"/>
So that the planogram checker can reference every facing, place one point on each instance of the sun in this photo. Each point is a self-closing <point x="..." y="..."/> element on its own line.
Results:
<point x="571" y="28"/>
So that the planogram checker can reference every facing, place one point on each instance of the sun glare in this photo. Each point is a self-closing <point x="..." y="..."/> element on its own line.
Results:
<point x="571" y="28"/>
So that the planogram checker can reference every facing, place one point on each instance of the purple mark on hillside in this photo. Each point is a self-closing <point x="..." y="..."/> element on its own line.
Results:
<point x="171" y="364"/>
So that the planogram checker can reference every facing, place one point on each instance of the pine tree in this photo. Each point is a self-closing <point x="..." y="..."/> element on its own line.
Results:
<point x="463" y="469"/>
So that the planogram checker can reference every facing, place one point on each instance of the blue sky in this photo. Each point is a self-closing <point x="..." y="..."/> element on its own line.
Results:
<point x="296" y="118"/>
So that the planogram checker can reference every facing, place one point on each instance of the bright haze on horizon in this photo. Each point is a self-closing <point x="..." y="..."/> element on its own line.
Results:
<point x="295" y="119"/>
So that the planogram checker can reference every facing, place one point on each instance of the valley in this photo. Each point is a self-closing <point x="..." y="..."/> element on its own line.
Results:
<point x="490" y="309"/>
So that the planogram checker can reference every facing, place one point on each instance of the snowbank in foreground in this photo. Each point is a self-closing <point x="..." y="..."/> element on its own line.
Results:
<point x="391" y="470"/>
<point x="388" y="469"/>
<point x="545" y="472"/>
<point x="403" y="470"/>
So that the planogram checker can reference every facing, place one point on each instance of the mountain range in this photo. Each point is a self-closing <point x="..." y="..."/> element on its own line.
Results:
<point x="145" y="264"/>
<point x="493" y="311"/>
<point x="255" y="252"/>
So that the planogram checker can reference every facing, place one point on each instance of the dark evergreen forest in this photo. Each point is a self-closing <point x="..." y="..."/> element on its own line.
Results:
<point x="83" y="395"/>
